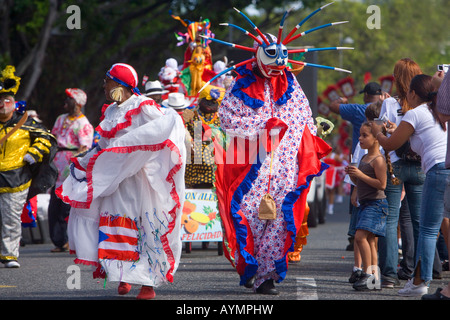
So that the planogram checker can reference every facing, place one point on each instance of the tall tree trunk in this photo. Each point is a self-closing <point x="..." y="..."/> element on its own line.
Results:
<point x="5" y="7"/>
<point x="39" y="53"/>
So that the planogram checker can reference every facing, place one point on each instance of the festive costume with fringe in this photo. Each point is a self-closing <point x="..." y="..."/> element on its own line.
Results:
<point x="273" y="149"/>
<point x="127" y="194"/>
<point x="25" y="146"/>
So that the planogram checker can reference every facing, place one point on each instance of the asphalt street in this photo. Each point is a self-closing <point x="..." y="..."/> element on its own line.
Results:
<point x="203" y="274"/>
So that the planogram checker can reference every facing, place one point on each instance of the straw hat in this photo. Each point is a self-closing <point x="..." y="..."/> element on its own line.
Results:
<point x="176" y="100"/>
<point x="154" y="87"/>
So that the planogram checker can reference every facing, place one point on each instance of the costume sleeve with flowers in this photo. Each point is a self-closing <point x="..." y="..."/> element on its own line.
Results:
<point x="71" y="135"/>
<point x="273" y="149"/>
<point x="127" y="193"/>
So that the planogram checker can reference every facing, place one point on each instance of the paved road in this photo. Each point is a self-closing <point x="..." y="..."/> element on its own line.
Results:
<point x="203" y="275"/>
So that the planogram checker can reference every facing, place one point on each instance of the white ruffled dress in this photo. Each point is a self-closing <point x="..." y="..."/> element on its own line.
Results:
<point x="127" y="194"/>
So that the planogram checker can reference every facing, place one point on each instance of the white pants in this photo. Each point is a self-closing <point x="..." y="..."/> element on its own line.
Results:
<point x="11" y="207"/>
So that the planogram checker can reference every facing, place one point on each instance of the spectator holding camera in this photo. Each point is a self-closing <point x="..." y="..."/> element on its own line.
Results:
<point x="429" y="141"/>
<point x="407" y="169"/>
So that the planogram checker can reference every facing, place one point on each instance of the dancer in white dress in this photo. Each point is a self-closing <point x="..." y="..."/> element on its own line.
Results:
<point x="127" y="193"/>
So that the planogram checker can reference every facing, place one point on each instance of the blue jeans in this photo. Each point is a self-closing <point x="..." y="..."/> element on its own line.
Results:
<point x="431" y="216"/>
<point x="412" y="178"/>
<point x="408" y="262"/>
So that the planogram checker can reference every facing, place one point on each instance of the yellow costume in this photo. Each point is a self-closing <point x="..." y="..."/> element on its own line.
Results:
<point x="200" y="170"/>
<point x="24" y="147"/>
<point x="15" y="173"/>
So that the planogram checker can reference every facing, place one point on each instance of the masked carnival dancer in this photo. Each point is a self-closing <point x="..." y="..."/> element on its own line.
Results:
<point x="263" y="174"/>
<point x="24" y="144"/>
<point x="127" y="192"/>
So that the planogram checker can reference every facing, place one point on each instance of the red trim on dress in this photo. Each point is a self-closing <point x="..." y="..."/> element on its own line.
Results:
<point x="128" y="119"/>
<point x="173" y="193"/>
<point x="157" y="147"/>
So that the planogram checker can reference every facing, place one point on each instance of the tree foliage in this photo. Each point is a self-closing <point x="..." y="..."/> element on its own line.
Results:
<point x="409" y="28"/>
<point x="50" y="57"/>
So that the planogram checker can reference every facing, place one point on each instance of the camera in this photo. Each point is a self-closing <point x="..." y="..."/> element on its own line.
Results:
<point x="381" y="121"/>
<point x="443" y="67"/>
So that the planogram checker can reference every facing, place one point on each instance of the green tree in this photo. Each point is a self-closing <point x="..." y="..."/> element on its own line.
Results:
<point x="409" y="28"/>
<point x="49" y="57"/>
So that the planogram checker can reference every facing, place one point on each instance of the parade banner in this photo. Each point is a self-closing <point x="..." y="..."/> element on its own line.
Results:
<point x="322" y="107"/>
<point x="200" y="220"/>
<point x="346" y="86"/>
<point x="331" y="92"/>
<point x="387" y="82"/>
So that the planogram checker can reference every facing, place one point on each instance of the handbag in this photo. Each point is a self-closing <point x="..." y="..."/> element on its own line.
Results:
<point x="267" y="206"/>
<point x="407" y="154"/>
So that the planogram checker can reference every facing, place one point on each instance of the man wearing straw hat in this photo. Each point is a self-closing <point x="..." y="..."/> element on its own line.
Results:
<point x="154" y="90"/>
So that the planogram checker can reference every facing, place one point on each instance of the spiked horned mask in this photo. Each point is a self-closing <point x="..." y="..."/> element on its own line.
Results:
<point x="270" y="52"/>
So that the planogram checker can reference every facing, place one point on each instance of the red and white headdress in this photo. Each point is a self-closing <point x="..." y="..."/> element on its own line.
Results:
<point x="78" y="95"/>
<point x="125" y="75"/>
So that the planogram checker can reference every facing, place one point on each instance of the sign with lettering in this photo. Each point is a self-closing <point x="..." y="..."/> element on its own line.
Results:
<point x="200" y="220"/>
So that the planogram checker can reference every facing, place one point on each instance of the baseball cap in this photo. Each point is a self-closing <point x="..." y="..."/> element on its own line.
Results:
<point x="372" y="88"/>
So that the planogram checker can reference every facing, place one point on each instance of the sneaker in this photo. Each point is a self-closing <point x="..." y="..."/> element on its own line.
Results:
<point x="411" y="290"/>
<point x="362" y="284"/>
<point x="355" y="276"/>
<point x="389" y="282"/>
<point x="435" y="296"/>
<point x="330" y="209"/>
<point x="12" y="264"/>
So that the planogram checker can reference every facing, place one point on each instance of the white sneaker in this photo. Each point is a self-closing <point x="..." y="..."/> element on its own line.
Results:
<point x="411" y="290"/>
<point x="12" y="264"/>
<point x="330" y="209"/>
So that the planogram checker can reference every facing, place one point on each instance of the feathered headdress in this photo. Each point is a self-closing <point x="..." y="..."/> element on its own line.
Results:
<point x="271" y="53"/>
<point x="194" y="29"/>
